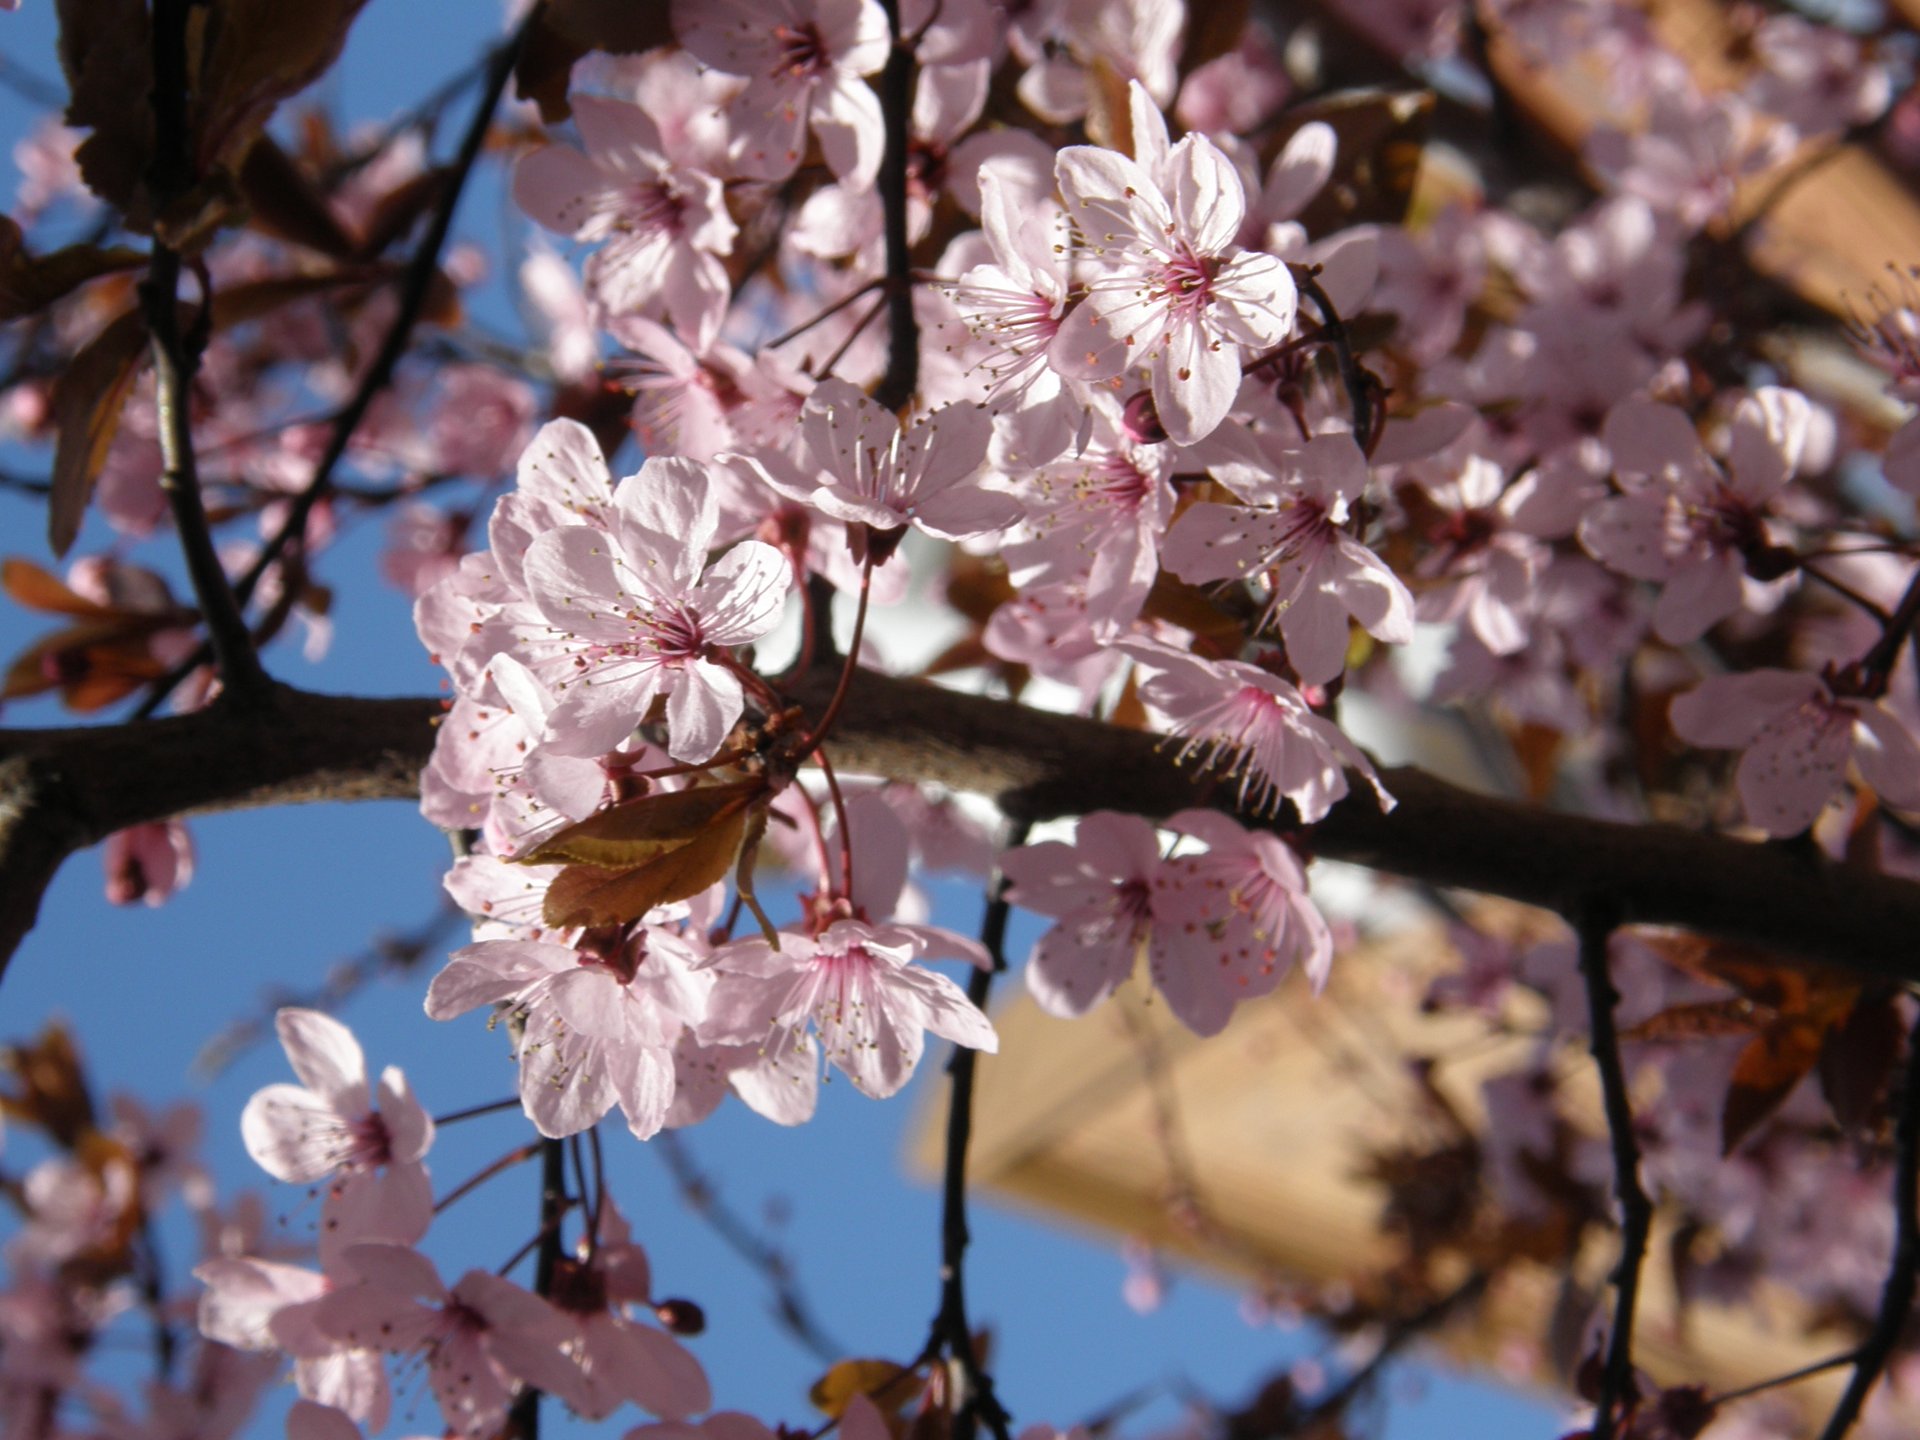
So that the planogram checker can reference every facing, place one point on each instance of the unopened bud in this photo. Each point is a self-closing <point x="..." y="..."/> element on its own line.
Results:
<point x="682" y="1317"/>
<point x="1141" y="420"/>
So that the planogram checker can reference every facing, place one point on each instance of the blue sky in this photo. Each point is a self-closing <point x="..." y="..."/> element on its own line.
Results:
<point x="281" y="896"/>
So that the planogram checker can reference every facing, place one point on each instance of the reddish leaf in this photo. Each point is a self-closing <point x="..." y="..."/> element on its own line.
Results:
<point x="590" y="895"/>
<point x="1857" y="1058"/>
<point x="1772" y="1063"/>
<point x="36" y="589"/>
<point x="30" y="283"/>
<point x="1738" y="1016"/>
<point x="87" y="401"/>
<point x="106" y="49"/>
<point x="283" y="201"/>
<point x="630" y="834"/>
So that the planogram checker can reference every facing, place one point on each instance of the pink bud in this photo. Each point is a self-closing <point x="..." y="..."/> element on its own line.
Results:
<point x="1141" y="420"/>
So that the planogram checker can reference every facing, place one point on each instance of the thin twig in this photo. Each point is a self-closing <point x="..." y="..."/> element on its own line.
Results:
<point x="1357" y="382"/>
<point x="1878" y="662"/>
<point x="951" y="1329"/>
<point x="492" y="1107"/>
<point x="700" y="1196"/>
<point x="517" y="1156"/>
<point x="1595" y="925"/>
<point x="1896" y="1299"/>
<point x="176" y="358"/>
<point x="415" y="284"/>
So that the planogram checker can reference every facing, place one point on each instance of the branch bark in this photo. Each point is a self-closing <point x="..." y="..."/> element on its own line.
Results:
<point x="62" y="790"/>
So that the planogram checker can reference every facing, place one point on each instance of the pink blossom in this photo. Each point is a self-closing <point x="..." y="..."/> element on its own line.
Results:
<point x="1684" y="521"/>
<point x="480" y="417"/>
<point x="1242" y="718"/>
<point x="619" y="1359"/>
<point x="481" y="1338"/>
<point x="885" y="477"/>
<point x="595" y="1028"/>
<point x="637" y="615"/>
<point x="1100" y="891"/>
<point x="1798" y="734"/>
<point x="803" y="60"/>
<point x="662" y="224"/>
<point x="1292" y="534"/>
<point x="424" y="546"/>
<point x="1170" y="291"/>
<point x="332" y="1125"/>
<point x="858" y="987"/>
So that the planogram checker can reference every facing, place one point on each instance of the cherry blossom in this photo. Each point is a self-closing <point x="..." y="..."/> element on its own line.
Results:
<point x="1291" y="534"/>
<point x="1243" y="718"/>
<point x="858" y="987"/>
<point x="1169" y="290"/>
<point x="334" y="1125"/>
<point x="803" y="60"/>
<point x="637" y="615"/>
<point x="481" y="1338"/>
<point x="662" y="224"/>
<point x="1798" y="732"/>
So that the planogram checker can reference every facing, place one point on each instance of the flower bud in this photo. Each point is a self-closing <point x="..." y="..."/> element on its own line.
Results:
<point x="1141" y="420"/>
<point x="682" y="1317"/>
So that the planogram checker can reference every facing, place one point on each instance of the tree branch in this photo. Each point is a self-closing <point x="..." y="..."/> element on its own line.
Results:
<point x="62" y="790"/>
<point x="903" y="330"/>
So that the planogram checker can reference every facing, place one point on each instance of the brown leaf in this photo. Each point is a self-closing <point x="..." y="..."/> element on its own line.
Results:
<point x="53" y="1087"/>
<point x="255" y="53"/>
<point x="1857" y="1058"/>
<point x="30" y="283"/>
<point x="627" y="835"/>
<point x="882" y="1381"/>
<point x="1772" y="1063"/>
<point x="38" y="589"/>
<point x="284" y="202"/>
<point x="590" y="895"/>
<point x="106" y="50"/>
<point x="1737" y="1016"/>
<point x="88" y="397"/>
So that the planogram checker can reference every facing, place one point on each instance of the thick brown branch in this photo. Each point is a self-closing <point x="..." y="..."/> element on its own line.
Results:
<point x="61" y="790"/>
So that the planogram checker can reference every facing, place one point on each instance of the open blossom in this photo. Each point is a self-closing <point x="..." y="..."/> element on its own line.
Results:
<point x="661" y="223"/>
<point x="1798" y="735"/>
<point x="1216" y="927"/>
<point x="1291" y="534"/>
<point x="619" y="1359"/>
<point x="1240" y="717"/>
<point x="334" y="1125"/>
<point x="877" y="474"/>
<point x="639" y="616"/>
<point x="803" y="60"/>
<point x="590" y="1036"/>
<point x="481" y="1338"/>
<point x="859" y="989"/>
<point x="332" y="1122"/>
<point x="1687" y="523"/>
<point x="1169" y="290"/>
